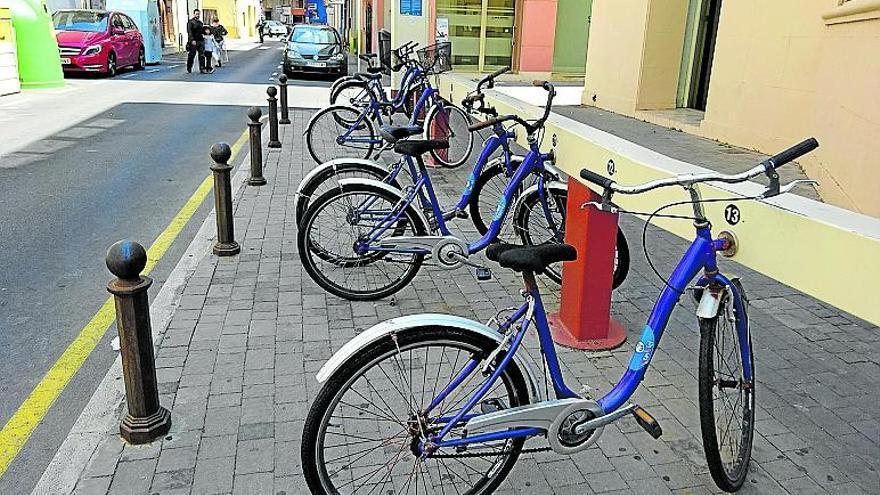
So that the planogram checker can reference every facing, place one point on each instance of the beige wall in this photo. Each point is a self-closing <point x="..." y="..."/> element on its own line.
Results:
<point x="781" y="72"/>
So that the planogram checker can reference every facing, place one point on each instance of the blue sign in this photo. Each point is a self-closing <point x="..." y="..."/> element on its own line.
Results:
<point x="411" y="7"/>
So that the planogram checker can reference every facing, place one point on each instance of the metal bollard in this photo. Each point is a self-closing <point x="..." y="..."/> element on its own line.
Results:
<point x="285" y="112"/>
<point x="146" y="420"/>
<point x="256" y="139"/>
<point x="273" y="118"/>
<point x="225" y="245"/>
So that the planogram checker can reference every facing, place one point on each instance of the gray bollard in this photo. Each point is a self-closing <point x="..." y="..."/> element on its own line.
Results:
<point x="146" y="420"/>
<point x="256" y="140"/>
<point x="285" y="112"/>
<point x="273" y="117"/>
<point x="225" y="245"/>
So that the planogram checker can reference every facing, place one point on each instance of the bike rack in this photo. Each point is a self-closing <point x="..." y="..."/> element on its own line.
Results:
<point x="584" y="318"/>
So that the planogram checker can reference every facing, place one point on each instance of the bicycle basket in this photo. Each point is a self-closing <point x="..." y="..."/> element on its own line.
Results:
<point x="436" y="58"/>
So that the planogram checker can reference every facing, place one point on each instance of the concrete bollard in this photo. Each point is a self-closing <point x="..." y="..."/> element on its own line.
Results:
<point x="225" y="245"/>
<point x="285" y="111"/>
<point x="146" y="420"/>
<point x="256" y="141"/>
<point x="273" y="117"/>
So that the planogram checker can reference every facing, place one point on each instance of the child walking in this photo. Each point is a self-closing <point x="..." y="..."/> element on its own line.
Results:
<point x="210" y="48"/>
<point x="219" y="40"/>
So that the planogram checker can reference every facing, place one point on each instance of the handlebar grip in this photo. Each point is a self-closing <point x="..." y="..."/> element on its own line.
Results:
<point x="794" y="152"/>
<point x="484" y="124"/>
<point x="498" y="72"/>
<point x="599" y="180"/>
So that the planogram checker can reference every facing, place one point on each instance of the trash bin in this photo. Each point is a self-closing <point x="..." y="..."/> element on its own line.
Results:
<point x="385" y="49"/>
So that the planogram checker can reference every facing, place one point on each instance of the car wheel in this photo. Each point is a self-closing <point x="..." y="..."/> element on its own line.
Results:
<point x="111" y="64"/>
<point x="142" y="60"/>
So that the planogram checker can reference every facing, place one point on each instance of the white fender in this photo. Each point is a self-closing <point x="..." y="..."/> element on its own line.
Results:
<point x="347" y="183"/>
<point x="557" y="186"/>
<point x="332" y="164"/>
<point x="413" y="322"/>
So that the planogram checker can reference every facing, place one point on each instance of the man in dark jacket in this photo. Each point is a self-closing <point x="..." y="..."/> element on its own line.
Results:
<point x="195" y="43"/>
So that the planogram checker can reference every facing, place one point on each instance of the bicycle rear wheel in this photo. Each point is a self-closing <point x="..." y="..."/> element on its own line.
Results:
<point x="363" y="430"/>
<point x="340" y="132"/>
<point x="338" y="222"/>
<point x="354" y="93"/>
<point x="450" y="123"/>
<point x="727" y="398"/>
<point x="329" y="178"/>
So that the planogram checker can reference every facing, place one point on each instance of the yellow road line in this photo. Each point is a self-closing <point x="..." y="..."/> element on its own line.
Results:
<point x="32" y="411"/>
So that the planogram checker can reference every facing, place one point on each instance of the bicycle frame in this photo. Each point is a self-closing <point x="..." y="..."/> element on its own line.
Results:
<point x="374" y="111"/>
<point x="700" y="256"/>
<point x="423" y="189"/>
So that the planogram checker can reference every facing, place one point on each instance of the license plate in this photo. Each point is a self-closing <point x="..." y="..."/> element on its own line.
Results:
<point x="316" y="64"/>
<point x="65" y="61"/>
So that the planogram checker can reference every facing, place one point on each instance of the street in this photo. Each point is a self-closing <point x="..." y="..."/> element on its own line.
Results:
<point x="122" y="172"/>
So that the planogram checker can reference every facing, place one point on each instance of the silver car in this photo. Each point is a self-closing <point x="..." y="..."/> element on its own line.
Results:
<point x="274" y="28"/>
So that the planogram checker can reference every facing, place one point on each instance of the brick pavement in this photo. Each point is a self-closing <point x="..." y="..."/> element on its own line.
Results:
<point x="237" y="364"/>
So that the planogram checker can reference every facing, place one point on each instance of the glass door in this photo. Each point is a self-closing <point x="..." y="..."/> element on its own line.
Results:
<point x="481" y="32"/>
<point x="498" y="37"/>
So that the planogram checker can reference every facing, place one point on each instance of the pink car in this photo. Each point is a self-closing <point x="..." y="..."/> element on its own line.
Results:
<point x="98" y="41"/>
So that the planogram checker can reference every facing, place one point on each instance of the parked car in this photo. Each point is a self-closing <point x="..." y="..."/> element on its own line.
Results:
<point x="274" y="28"/>
<point x="98" y="41"/>
<point x="315" y="48"/>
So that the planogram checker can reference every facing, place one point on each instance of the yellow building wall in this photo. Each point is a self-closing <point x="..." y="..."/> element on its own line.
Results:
<point x="783" y="70"/>
<point x="233" y="15"/>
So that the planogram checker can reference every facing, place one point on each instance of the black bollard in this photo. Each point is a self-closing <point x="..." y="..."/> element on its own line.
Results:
<point x="285" y="112"/>
<point x="256" y="131"/>
<point x="146" y="420"/>
<point x="225" y="245"/>
<point x="273" y="118"/>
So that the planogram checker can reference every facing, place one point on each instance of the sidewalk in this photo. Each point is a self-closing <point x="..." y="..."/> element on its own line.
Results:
<point x="237" y="362"/>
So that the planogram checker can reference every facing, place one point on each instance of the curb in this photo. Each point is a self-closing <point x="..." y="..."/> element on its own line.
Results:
<point x="100" y="417"/>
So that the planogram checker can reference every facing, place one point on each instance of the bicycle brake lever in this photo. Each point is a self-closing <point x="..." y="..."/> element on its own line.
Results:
<point x="788" y="187"/>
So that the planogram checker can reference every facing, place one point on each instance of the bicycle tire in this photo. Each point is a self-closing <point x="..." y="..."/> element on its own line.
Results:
<point x="554" y="271"/>
<point x="453" y="130"/>
<point x="361" y="88"/>
<point x="344" y="170"/>
<point x="487" y="192"/>
<point x="729" y="480"/>
<point x="326" y="124"/>
<point x="322" y="411"/>
<point x="308" y="247"/>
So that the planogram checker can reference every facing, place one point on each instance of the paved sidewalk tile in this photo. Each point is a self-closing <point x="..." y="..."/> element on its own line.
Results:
<point x="237" y="370"/>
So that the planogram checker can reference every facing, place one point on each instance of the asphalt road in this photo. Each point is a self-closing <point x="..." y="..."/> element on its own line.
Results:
<point x="63" y="200"/>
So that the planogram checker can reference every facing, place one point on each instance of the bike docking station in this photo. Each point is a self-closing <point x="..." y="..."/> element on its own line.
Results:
<point x="584" y="319"/>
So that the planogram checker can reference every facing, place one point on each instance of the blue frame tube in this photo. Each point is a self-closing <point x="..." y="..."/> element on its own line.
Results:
<point x="462" y="375"/>
<point x="492" y="436"/>
<point x="489" y="147"/>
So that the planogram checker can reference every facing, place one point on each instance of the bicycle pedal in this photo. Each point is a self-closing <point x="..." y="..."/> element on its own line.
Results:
<point x="647" y="422"/>
<point x="484" y="274"/>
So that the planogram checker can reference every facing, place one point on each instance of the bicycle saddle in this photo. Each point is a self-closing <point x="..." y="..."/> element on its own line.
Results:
<point x="420" y="146"/>
<point x="530" y="258"/>
<point x="392" y="134"/>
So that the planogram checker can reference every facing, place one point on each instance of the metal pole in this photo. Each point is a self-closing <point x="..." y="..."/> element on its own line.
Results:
<point x="146" y="419"/>
<point x="225" y="245"/>
<point x="256" y="140"/>
<point x="273" y="117"/>
<point x="285" y="112"/>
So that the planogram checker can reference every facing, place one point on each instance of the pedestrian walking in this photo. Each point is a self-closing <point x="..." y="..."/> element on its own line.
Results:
<point x="210" y="49"/>
<point x="260" y="24"/>
<point x="195" y="44"/>
<point x="220" y="33"/>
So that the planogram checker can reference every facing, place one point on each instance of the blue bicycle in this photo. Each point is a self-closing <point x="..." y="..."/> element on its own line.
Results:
<point x="365" y="239"/>
<point x="342" y="131"/>
<point x="441" y="404"/>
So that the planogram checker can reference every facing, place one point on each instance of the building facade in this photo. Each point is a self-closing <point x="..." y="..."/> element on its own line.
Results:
<point x="756" y="74"/>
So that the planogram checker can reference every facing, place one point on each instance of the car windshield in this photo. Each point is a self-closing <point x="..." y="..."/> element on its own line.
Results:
<point x="90" y="22"/>
<point x="312" y="35"/>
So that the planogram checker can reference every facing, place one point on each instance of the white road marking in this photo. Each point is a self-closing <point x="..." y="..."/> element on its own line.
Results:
<point x="153" y="71"/>
<point x="274" y="73"/>
<point x="264" y="48"/>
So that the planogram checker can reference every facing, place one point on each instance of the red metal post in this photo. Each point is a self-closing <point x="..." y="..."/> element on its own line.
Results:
<point x="584" y="319"/>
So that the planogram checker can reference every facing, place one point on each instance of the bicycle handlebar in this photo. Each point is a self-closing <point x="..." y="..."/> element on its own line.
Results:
<point x="489" y="80"/>
<point x="767" y="166"/>
<point x="530" y="128"/>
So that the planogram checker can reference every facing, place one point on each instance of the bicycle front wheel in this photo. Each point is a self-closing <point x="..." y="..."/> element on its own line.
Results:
<point x="363" y="431"/>
<point x="340" y="132"/>
<point x="450" y="123"/>
<point x="354" y="93"/>
<point x="486" y="196"/>
<point x="726" y="396"/>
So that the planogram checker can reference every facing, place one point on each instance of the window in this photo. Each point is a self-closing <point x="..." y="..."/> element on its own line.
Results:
<point x="80" y="20"/>
<point x="117" y="22"/>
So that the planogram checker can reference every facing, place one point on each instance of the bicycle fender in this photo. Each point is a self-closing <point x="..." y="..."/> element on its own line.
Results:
<point x="332" y="164"/>
<point x="347" y="183"/>
<point x="533" y="189"/>
<point x="414" y="323"/>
